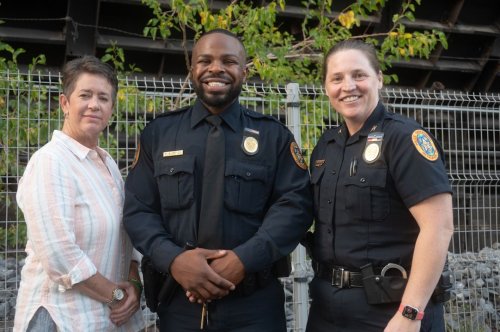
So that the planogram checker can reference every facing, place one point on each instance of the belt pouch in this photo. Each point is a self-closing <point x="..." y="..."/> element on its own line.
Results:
<point x="382" y="289"/>
<point x="153" y="282"/>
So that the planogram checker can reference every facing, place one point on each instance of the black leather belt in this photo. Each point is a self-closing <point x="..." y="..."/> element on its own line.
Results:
<point x="338" y="276"/>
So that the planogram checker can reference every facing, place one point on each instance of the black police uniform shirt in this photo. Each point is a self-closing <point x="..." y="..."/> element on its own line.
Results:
<point x="267" y="199"/>
<point x="361" y="202"/>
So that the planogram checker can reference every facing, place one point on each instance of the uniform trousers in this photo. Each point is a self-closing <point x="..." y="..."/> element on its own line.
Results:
<point x="261" y="311"/>
<point x="346" y="310"/>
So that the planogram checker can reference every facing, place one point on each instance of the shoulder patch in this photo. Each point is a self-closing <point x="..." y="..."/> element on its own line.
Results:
<point x="136" y="157"/>
<point x="424" y="145"/>
<point x="297" y="155"/>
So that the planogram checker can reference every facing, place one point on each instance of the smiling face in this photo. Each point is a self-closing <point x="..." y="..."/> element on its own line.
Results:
<point x="87" y="109"/>
<point x="352" y="85"/>
<point x="218" y="70"/>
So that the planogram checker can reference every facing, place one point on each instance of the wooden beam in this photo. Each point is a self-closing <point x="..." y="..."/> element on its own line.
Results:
<point x="466" y="29"/>
<point x="490" y="73"/>
<point x="32" y="35"/>
<point x="170" y="46"/>
<point x="441" y="65"/>
<point x="81" y="29"/>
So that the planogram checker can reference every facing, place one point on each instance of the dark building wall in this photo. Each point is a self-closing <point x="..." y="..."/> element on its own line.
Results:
<point x="62" y="29"/>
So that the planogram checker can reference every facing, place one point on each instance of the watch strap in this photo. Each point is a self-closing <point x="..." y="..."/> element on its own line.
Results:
<point x="137" y="284"/>
<point x="114" y="298"/>
<point x="411" y="312"/>
<point x="112" y="301"/>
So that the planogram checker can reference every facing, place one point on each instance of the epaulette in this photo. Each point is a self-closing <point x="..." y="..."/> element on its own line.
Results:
<point x="331" y="132"/>
<point x="177" y="111"/>
<point x="257" y="115"/>
<point x="396" y="117"/>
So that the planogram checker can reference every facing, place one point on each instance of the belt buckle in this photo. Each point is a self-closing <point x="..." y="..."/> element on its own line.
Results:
<point x="344" y="282"/>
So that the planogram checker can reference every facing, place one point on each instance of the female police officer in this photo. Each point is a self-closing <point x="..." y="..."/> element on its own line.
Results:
<point x="382" y="198"/>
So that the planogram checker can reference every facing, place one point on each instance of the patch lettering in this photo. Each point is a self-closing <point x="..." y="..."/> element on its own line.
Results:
<point x="424" y="145"/>
<point x="297" y="155"/>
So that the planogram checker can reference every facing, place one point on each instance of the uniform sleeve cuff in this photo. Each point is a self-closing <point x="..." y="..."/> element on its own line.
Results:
<point x="163" y="256"/>
<point x="250" y="258"/>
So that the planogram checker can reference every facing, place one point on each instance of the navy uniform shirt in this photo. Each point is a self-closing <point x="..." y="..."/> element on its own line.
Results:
<point x="361" y="198"/>
<point x="267" y="199"/>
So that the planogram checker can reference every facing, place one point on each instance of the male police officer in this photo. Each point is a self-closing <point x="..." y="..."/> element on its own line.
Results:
<point x="266" y="198"/>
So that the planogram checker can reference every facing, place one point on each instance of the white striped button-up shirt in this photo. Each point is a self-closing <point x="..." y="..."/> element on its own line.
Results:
<point x="72" y="199"/>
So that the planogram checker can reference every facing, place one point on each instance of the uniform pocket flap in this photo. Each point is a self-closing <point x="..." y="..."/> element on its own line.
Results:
<point x="375" y="177"/>
<point x="245" y="171"/>
<point x="317" y="174"/>
<point x="175" y="165"/>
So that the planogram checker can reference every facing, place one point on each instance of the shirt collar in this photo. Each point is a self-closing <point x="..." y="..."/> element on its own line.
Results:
<point x="231" y="114"/>
<point x="339" y="134"/>
<point x="79" y="150"/>
<point x="373" y="121"/>
<point x="336" y="134"/>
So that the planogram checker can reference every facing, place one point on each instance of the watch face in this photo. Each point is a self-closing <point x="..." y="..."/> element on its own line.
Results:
<point x="118" y="294"/>
<point x="410" y="312"/>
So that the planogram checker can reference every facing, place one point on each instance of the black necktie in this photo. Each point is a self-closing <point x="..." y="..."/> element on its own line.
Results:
<point x="212" y="198"/>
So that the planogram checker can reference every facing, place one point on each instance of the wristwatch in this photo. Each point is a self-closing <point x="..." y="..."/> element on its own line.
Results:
<point x="118" y="294"/>
<point x="410" y="312"/>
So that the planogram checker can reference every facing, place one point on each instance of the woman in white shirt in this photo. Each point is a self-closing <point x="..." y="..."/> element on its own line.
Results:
<point x="81" y="272"/>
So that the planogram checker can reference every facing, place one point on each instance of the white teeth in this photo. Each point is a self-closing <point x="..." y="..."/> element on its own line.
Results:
<point x="351" y="98"/>
<point x="216" y="84"/>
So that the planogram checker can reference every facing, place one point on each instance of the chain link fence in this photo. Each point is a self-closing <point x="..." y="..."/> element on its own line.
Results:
<point x="467" y="125"/>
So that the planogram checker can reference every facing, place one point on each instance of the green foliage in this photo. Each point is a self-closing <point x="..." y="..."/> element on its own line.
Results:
<point x="13" y="236"/>
<point x="23" y="102"/>
<point x="116" y="56"/>
<point x="277" y="56"/>
<point x="17" y="92"/>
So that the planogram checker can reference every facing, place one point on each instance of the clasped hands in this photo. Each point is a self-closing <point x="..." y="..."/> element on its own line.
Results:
<point x="207" y="274"/>
<point x="123" y="310"/>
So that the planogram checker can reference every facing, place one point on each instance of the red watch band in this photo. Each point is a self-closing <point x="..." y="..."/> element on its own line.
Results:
<point x="410" y="312"/>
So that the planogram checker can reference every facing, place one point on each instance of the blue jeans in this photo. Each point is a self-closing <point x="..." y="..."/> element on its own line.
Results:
<point x="41" y="322"/>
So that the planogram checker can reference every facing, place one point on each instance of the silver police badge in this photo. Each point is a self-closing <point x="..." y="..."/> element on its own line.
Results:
<point x="371" y="152"/>
<point x="250" y="144"/>
<point x="373" y="147"/>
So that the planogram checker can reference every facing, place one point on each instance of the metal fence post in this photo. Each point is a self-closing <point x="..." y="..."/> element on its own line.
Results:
<point x="299" y="271"/>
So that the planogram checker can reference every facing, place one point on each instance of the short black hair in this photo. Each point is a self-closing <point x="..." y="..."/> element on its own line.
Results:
<point x="227" y="33"/>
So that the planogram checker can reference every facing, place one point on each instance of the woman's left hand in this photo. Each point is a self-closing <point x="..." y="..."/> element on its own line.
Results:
<point x="122" y="311"/>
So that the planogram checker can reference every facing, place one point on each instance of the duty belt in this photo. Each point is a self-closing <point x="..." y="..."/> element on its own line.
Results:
<point x="338" y="276"/>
